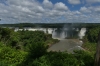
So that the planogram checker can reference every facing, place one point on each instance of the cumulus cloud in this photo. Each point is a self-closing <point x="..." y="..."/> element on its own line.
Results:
<point x="47" y="4"/>
<point x="35" y="12"/>
<point x="85" y="10"/>
<point x="94" y="9"/>
<point x="93" y="1"/>
<point x="74" y="2"/>
<point x="60" y="6"/>
<point x="97" y="9"/>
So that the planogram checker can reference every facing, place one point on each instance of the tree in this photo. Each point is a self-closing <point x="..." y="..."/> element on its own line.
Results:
<point x="5" y="34"/>
<point x="92" y="34"/>
<point x="37" y="49"/>
<point x="97" y="57"/>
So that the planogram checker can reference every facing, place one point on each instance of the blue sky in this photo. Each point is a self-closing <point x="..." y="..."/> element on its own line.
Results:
<point x="49" y="11"/>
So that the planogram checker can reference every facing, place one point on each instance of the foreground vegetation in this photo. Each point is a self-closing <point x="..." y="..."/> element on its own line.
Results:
<point x="29" y="48"/>
<point x="91" y="39"/>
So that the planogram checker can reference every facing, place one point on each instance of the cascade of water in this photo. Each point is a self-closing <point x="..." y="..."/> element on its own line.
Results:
<point x="82" y="33"/>
<point x="54" y="34"/>
<point x="61" y="33"/>
<point x="50" y="30"/>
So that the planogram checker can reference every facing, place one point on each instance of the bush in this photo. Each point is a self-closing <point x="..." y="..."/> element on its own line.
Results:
<point x="36" y="50"/>
<point x="11" y="56"/>
<point x="64" y="59"/>
<point x="92" y="34"/>
<point x="91" y="47"/>
<point x="84" y="58"/>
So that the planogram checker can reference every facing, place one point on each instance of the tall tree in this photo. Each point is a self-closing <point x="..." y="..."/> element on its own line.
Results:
<point x="97" y="57"/>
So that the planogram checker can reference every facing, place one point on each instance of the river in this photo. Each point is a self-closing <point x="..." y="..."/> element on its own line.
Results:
<point x="66" y="45"/>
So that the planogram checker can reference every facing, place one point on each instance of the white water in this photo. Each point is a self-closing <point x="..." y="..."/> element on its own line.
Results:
<point x="57" y="33"/>
<point x="82" y="33"/>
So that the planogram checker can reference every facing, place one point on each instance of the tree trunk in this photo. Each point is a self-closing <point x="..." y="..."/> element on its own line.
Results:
<point x="97" y="56"/>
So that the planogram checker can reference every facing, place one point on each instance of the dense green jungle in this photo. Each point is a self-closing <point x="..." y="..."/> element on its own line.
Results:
<point x="29" y="48"/>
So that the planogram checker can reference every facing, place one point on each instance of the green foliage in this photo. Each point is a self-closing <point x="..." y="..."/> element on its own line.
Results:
<point x="84" y="58"/>
<point x="14" y="39"/>
<point x="37" y="49"/>
<point x="9" y="56"/>
<point x="61" y="59"/>
<point x="92" y="34"/>
<point x="48" y="36"/>
<point x="35" y="35"/>
<point x="5" y="33"/>
<point x="91" y="47"/>
<point x="42" y="61"/>
<point x="91" y="39"/>
<point x="80" y="58"/>
<point x="34" y="50"/>
<point x="21" y="39"/>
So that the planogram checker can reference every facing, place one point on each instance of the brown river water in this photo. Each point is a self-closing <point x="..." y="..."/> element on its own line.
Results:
<point x="66" y="45"/>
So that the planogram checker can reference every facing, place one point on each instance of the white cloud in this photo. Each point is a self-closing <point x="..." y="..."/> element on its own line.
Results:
<point x="85" y="10"/>
<point x="56" y="13"/>
<point x="39" y="9"/>
<point x="47" y="4"/>
<point x="34" y="11"/>
<point x="77" y="12"/>
<point x="92" y="1"/>
<point x="74" y="2"/>
<point x="97" y="9"/>
<point x="60" y="6"/>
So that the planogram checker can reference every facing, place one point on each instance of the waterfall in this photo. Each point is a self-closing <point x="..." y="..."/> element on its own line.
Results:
<point x="82" y="33"/>
<point x="60" y="33"/>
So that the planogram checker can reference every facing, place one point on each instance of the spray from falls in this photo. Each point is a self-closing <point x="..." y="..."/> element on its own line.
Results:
<point x="82" y="33"/>
<point x="59" y="33"/>
<point x="67" y="31"/>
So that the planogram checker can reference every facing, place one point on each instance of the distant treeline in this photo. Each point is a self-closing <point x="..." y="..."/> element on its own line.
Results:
<point x="45" y="25"/>
<point x="51" y="25"/>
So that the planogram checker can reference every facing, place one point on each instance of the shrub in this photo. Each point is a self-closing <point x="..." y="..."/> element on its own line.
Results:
<point x="11" y="56"/>
<point x="92" y="34"/>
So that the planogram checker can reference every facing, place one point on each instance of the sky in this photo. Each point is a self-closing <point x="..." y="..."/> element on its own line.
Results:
<point x="49" y="11"/>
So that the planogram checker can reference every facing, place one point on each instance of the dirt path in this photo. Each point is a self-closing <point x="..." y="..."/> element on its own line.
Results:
<point x="66" y="45"/>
